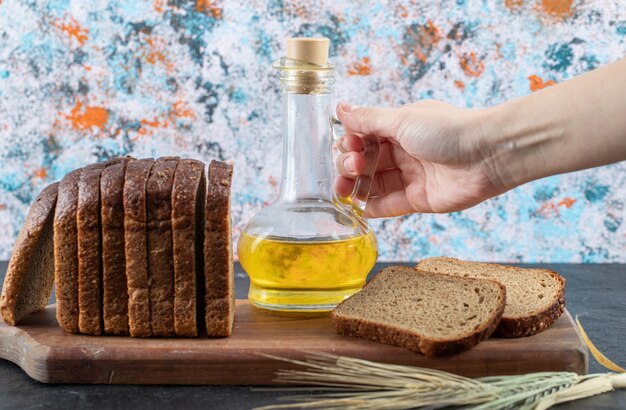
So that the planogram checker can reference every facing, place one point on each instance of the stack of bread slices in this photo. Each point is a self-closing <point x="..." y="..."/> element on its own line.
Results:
<point x="445" y="305"/>
<point x="137" y="247"/>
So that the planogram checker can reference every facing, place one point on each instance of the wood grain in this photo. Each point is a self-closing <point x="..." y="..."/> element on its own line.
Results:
<point x="50" y="355"/>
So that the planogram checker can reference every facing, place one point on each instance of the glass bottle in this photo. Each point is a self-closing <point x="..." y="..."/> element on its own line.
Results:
<point x="309" y="249"/>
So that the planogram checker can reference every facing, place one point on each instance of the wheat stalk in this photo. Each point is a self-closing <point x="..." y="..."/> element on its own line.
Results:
<point x="362" y="384"/>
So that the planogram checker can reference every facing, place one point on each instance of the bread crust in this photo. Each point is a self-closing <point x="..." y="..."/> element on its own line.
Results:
<point x="526" y="326"/>
<point x="66" y="252"/>
<point x="114" y="282"/>
<point x="218" y="262"/>
<point x="188" y="196"/>
<point x="393" y="335"/>
<point x="136" y="249"/>
<point x="160" y="248"/>
<point x="36" y="228"/>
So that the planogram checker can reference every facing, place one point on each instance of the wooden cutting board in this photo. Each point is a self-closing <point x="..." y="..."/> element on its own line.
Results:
<point x="49" y="355"/>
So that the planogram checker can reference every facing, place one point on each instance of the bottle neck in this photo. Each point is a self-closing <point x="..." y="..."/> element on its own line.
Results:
<point x="307" y="163"/>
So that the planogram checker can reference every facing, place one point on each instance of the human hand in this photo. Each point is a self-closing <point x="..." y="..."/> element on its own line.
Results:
<point x="438" y="158"/>
<point x="433" y="158"/>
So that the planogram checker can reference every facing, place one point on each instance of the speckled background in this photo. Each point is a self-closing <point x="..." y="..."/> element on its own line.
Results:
<point x="81" y="81"/>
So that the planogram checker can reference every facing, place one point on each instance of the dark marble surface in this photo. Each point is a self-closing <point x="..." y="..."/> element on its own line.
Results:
<point x="596" y="293"/>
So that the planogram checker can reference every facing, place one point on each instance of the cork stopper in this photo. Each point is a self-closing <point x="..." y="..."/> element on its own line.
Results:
<point x="309" y="49"/>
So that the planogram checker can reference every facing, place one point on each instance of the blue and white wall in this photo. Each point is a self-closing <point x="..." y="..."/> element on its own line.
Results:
<point x="81" y="81"/>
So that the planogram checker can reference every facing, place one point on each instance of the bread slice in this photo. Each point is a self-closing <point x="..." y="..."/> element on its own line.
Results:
<point x="89" y="263"/>
<point x="30" y="275"/>
<point x="66" y="252"/>
<point x="535" y="297"/>
<point x="136" y="248"/>
<point x="425" y="312"/>
<point x="188" y="196"/>
<point x="114" y="284"/>
<point x="89" y="239"/>
<point x="160" y="251"/>
<point x="218" y="253"/>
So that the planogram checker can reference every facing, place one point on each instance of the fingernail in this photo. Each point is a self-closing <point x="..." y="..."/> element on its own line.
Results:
<point x="347" y="107"/>
<point x="348" y="164"/>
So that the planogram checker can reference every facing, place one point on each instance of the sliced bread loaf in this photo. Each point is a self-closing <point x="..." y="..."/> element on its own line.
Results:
<point x="425" y="312"/>
<point x="66" y="252"/>
<point x="30" y="275"/>
<point x="160" y="252"/>
<point x="535" y="297"/>
<point x="188" y="196"/>
<point x="218" y="253"/>
<point x="114" y="284"/>
<point x="136" y="248"/>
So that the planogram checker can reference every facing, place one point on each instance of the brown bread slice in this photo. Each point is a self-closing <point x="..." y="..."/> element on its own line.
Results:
<point x="114" y="284"/>
<point x="535" y="297"/>
<point x="66" y="252"/>
<point x="218" y="254"/>
<point x="136" y="249"/>
<point x="188" y="196"/>
<point x="65" y="240"/>
<point x="30" y="275"/>
<point x="89" y="263"/>
<point x="160" y="251"/>
<point x="89" y="237"/>
<point x="425" y="312"/>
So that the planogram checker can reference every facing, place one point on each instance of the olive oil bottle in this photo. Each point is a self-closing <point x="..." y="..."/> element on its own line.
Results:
<point x="309" y="249"/>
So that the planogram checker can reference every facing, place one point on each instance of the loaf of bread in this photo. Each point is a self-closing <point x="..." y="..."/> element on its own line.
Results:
<point x="425" y="312"/>
<point x="535" y="297"/>
<point x="125" y="243"/>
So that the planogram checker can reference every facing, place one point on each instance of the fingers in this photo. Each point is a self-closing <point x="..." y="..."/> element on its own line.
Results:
<point x="352" y="164"/>
<point x="386" y="159"/>
<point x="359" y="121"/>
<point x="393" y="204"/>
<point x="384" y="183"/>
<point x="344" y="186"/>
<point x="350" y="143"/>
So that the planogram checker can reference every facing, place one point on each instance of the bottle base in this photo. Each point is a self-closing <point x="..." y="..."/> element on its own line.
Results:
<point x="297" y="300"/>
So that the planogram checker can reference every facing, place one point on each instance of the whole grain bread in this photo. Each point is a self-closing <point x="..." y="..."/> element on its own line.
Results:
<point x="30" y="274"/>
<point x="66" y="252"/>
<point x="114" y="283"/>
<point x="160" y="248"/>
<point x="535" y="297"/>
<point x="89" y="237"/>
<point x="188" y="196"/>
<point x="89" y="262"/>
<point x="136" y="248"/>
<point x="425" y="312"/>
<point x="218" y="254"/>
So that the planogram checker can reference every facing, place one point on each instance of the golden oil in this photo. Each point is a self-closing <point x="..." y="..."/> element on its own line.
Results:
<point x="312" y="275"/>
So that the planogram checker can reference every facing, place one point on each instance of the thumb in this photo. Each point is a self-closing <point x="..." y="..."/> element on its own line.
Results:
<point x="362" y="121"/>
